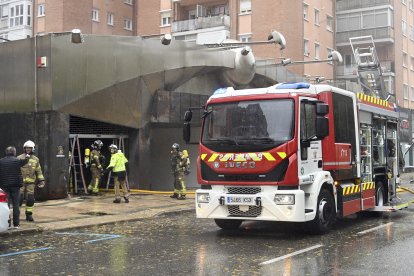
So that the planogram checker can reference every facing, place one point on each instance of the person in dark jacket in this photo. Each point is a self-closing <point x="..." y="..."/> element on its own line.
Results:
<point x="11" y="180"/>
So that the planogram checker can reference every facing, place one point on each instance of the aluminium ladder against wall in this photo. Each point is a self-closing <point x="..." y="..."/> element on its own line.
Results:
<point x="76" y="168"/>
<point x="369" y="69"/>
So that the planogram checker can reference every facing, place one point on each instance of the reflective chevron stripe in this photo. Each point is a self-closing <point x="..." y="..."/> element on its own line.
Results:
<point x="352" y="189"/>
<point x="243" y="157"/>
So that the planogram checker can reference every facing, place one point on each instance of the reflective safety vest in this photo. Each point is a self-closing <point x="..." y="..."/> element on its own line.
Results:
<point x="118" y="161"/>
<point x="31" y="170"/>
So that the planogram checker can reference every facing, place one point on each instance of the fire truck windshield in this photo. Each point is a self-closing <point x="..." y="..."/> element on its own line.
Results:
<point x="249" y="125"/>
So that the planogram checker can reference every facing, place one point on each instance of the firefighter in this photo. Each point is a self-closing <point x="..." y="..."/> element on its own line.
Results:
<point x="118" y="168"/>
<point x="178" y="168"/>
<point x="96" y="160"/>
<point x="31" y="173"/>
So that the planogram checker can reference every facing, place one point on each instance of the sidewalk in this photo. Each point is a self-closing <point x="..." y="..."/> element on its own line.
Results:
<point x="82" y="211"/>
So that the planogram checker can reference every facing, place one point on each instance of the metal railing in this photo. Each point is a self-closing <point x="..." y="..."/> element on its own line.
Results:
<point x="376" y="33"/>
<point x="344" y="70"/>
<point x="4" y="24"/>
<point x="342" y="5"/>
<point x="201" y="23"/>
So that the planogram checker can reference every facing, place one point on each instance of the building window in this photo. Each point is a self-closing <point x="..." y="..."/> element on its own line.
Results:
<point x="405" y="91"/>
<point x="329" y="23"/>
<point x="128" y="24"/>
<point x="411" y="32"/>
<point x="404" y="2"/>
<point x="245" y="38"/>
<point x="110" y="18"/>
<point x="16" y="15"/>
<point x="95" y="15"/>
<point x="305" y="11"/>
<point x="29" y="15"/>
<point x="412" y="93"/>
<point x="316" y="17"/>
<point x="245" y="6"/>
<point x="306" y="47"/>
<point x="411" y="4"/>
<point x="405" y="60"/>
<point x="4" y="11"/>
<point x="165" y="18"/>
<point x="129" y="2"/>
<point x="41" y="10"/>
<point x="404" y="27"/>
<point x="317" y="50"/>
<point x="412" y="63"/>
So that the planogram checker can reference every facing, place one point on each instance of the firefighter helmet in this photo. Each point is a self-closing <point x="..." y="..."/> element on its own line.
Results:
<point x="175" y="146"/>
<point x="97" y="144"/>
<point x="29" y="144"/>
<point x="112" y="146"/>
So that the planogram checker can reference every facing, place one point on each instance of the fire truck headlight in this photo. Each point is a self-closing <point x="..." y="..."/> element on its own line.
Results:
<point x="203" y="198"/>
<point x="285" y="199"/>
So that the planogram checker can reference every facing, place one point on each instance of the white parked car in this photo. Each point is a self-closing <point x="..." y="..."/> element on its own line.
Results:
<point x="4" y="212"/>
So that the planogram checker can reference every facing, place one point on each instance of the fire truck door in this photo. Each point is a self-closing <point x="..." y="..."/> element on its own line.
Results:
<point x="310" y="148"/>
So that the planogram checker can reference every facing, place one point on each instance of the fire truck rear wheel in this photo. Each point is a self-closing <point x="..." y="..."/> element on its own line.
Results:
<point x="228" y="224"/>
<point x="325" y="213"/>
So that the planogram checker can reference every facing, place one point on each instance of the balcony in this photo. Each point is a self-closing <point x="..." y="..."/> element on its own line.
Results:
<point x="380" y="34"/>
<point x="343" y="5"/>
<point x="201" y="23"/>
<point x="387" y="66"/>
<point x="4" y="23"/>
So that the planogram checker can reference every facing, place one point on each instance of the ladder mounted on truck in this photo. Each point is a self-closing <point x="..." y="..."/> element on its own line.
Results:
<point x="368" y="66"/>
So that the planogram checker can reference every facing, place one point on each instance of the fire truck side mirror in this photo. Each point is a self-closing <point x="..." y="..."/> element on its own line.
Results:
<point x="322" y="127"/>
<point x="187" y="132"/>
<point x="188" y="115"/>
<point x="322" y="109"/>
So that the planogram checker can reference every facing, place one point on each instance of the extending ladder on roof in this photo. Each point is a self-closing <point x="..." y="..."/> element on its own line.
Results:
<point x="369" y="68"/>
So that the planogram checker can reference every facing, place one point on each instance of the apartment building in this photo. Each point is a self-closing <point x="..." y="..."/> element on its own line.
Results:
<point x="16" y="19"/>
<point x="307" y="26"/>
<point x="391" y="24"/>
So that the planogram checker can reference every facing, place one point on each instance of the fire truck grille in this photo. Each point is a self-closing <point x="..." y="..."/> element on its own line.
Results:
<point x="244" y="190"/>
<point x="254" y="211"/>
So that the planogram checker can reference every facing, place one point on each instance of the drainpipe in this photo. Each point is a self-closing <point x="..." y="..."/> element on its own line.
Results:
<point x="35" y="74"/>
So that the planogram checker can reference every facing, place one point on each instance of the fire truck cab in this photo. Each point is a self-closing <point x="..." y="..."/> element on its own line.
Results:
<point x="295" y="152"/>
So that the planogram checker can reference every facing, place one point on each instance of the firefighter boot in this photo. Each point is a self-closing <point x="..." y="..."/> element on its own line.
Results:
<point x="29" y="217"/>
<point x="174" y="195"/>
<point x="126" y="199"/>
<point x="117" y="200"/>
<point x="181" y="197"/>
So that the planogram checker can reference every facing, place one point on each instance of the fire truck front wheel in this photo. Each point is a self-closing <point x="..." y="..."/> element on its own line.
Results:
<point x="325" y="213"/>
<point x="228" y="224"/>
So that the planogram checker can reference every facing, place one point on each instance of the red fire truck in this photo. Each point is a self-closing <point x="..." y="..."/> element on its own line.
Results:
<point x="295" y="152"/>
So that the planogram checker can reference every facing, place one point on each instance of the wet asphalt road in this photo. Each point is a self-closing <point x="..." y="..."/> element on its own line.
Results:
<point x="179" y="244"/>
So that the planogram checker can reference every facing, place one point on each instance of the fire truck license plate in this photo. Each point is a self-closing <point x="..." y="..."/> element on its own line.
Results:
<point x="238" y="200"/>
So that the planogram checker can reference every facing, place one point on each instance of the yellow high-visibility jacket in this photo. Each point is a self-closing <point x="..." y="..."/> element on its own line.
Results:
<point x="118" y="161"/>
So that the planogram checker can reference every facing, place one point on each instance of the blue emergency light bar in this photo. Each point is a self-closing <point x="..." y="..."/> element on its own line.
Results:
<point x="293" y="85"/>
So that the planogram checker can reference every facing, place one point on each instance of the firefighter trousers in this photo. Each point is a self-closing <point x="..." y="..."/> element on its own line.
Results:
<point x="179" y="184"/>
<point x="27" y="193"/>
